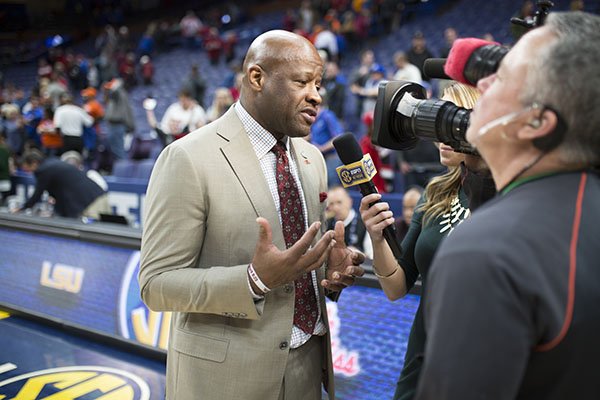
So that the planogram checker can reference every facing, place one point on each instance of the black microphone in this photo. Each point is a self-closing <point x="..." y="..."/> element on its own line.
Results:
<point x="358" y="169"/>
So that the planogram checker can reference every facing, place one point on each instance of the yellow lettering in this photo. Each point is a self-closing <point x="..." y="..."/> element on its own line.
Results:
<point x="164" y="330"/>
<point x="123" y="393"/>
<point x="35" y="385"/>
<point x="103" y="383"/>
<point x="62" y="277"/>
<point x="146" y="330"/>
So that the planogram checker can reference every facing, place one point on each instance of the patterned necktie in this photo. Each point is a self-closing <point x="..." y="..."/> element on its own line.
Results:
<point x="292" y="223"/>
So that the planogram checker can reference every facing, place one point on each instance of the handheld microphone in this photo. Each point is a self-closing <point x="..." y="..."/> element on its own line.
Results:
<point x="358" y="169"/>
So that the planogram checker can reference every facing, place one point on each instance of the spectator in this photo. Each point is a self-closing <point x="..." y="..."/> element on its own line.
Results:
<point x="213" y="45"/>
<point x="221" y="103"/>
<point x="5" y="170"/>
<point x="450" y="36"/>
<point x="51" y="139"/>
<point x="12" y="125"/>
<point x="190" y="25"/>
<point x="409" y="202"/>
<point x="339" y="207"/>
<point x="322" y="132"/>
<point x="324" y="39"/>
<point x="369" y="91"/>
<point x="335" y="85"/>
<point x="74" y="194"/>
<point x="69" y="122"/>
<point x="196" y="85"/>
<point x="119" y="116"/>
<point x="181" y="118"/>
<point x="418" y="52"/>
<point x="75" y="159"/>
<point x="147" y="70"/>
<point x="406" y="71"/>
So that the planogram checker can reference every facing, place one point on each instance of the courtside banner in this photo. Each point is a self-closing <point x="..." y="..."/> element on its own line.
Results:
<point x="94" y="286"/>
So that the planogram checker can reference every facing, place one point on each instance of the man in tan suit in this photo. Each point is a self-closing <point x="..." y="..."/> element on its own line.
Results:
<point x="233" y="241"/>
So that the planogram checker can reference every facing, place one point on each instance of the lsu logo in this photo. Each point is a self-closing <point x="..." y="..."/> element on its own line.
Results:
<point x="75" y="383"/>
<point x="62" y="277"/>
<point x="136" y="321"/>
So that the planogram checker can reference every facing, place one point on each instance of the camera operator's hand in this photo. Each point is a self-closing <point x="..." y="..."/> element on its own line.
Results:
<point x="376" y="217"/>
<point x="275" y="267"/>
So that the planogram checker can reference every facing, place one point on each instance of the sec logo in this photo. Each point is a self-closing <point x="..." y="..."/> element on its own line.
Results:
<point x="75" y="383"/>
<point x="136" y="321"/>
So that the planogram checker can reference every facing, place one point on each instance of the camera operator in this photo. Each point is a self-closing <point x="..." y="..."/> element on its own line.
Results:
<point x="511" y="309"/>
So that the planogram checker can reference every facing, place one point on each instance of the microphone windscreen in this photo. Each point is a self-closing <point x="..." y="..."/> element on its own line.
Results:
<point x="347" y="148"/>
<point x="459" y="55"/>
<point x="434" y="68"/>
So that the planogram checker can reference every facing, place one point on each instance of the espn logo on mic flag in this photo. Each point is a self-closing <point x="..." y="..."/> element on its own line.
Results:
<point x="361" y="171"/>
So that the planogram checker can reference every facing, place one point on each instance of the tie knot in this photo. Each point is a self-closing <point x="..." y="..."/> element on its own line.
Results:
<point x="279" y="148"/>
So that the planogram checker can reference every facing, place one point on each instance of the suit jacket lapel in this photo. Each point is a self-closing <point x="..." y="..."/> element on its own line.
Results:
<point x="241" y="157"/>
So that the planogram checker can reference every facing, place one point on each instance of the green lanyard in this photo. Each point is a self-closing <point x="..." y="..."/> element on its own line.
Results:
<point x="519" y="182"/>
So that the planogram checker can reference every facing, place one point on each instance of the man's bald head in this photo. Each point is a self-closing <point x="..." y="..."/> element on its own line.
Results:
<point x="281" y="82"/>
<point x="277" y="46"/>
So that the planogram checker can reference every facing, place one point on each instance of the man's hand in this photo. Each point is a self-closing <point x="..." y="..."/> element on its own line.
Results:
<point x="275" y="267"/>
<point x="343" y="265"/>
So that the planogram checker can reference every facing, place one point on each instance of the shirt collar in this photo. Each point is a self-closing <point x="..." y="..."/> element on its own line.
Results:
<point x="262" y="140"/>
<point x="350" y="217"/>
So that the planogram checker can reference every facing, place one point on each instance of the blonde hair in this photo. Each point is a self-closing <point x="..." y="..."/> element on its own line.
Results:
<point x="441" y="190"/>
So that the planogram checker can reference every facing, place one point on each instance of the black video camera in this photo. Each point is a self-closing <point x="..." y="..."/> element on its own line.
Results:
<point x="403" y="115"/>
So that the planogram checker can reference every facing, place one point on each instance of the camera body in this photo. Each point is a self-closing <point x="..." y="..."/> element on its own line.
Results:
<point x="403" y="116"/>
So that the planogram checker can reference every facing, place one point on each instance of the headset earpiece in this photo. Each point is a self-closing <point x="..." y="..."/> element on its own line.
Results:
<point x="536" y="123"/>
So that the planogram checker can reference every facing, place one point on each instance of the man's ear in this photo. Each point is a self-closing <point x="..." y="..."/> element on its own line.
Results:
<point x="539" y="127"/>
<point x="256" y="77"/>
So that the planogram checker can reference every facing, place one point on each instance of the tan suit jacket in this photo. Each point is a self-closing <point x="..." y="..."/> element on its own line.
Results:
<point x="200" y="233"/>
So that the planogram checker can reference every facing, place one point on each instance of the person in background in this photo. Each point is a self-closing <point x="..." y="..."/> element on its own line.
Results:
<point x="367" y="147"/>
<point x="326" y="128"/>
<point x="147" y="70"/>
<point x="221" y="103"/>
<point x="196" y="85"/>
<point x="335" y="85"/>
<point x="74" y="194"/>
<point x="13" y="127"/>
<point x="240" y="204"/>
<point x="418" y="52"/>
<point x="181" y="118"/>
<point x="51" y="139"/>
<point x="95" y="109"/>
<point x="5" y="170"/>
<point x="119" y="116"/>
<point x="75" y="159"/>
<point x="369" y="91"/>
<point x="339" y="207"/>
<point x="512" y="304"/>
<point x="442" y="207"/>
<point x="409" y="203"/>
<point x="405" y="71"/>
<point x="69" y="122"/>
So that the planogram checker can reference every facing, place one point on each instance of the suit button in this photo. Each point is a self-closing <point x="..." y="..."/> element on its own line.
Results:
<point x="287" y="288"/>
<point x="283" y="345"/>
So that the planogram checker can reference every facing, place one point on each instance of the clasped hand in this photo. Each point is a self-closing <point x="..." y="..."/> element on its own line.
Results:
<point x="278" y="267"/>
